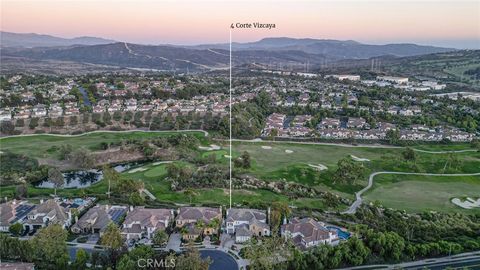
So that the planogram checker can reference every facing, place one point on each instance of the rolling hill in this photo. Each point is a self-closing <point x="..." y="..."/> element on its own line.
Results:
<point x="31" y="40"/>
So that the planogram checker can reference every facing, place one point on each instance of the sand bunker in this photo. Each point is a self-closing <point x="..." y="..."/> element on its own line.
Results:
<point x="226" y="156"/>
<point x="210" y="148"/>
<point x="469" y="203"/>
<point x="141" y="169"/>
<point x="319" y="167"/>
<point x="359" y="159"/>
<point x="288" y="151"/>
<point x="266" y="147"/>
<point x="161" y="162"/>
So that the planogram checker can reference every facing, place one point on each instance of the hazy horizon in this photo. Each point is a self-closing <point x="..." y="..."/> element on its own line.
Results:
<point x="453" y="24"/>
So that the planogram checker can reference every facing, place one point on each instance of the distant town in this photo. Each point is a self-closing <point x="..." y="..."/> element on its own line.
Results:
<point x="345" y="107"/>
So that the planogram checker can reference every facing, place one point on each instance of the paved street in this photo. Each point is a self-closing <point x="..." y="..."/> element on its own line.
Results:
<point x="469" y="259"/>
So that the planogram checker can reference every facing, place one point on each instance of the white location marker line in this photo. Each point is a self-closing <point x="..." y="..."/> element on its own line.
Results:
<point x="230" y="122"/>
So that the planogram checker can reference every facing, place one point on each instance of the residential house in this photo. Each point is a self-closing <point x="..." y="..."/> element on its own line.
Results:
<point x="97" y="218"/>
<point x="144" y="222"/>
<point x="13" y="212"/>
<point x="131" y="104"/>
<point x="245" y="223"/>
<point x="48" y="212"/>
<point x="329" y="123"/>
<point x="307" y="232"/>
<point x="17" y="266"/>
<point x="354" y="122"/>
<point x="195" y="215"/>
<point x="39" y="110"/>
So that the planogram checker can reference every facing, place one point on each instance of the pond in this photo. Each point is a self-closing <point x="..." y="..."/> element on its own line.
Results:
<point x="82" y="178"/>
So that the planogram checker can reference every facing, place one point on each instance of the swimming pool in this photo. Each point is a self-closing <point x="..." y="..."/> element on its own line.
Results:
<point x="341" y="233"/>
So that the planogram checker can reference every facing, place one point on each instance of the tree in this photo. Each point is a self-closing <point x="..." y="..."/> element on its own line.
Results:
<point x="475" y="143"/>
<point x="82" y="158"/>
<point x="191" y="260"/>
<point x="136" y="199"/>
<point x="7" y="127"/>
<point x="214" y="224"/>
<point x="65" y="151"/>
<point x="354" y="251"/>
<point x="273" y="134"/>
<point x="245" y="160"/>
<point x="81" y="259"/>
<point x="269" y="254"/>
<point x="56" y="177"/>
<point x="12" y="248"/>
<point x="393" y="136"/>
<point x="126" y="263"/>
<point x="50" y="248"/>
<point x="409" y="154"/>
<point x="190" y="193"/>
<point x="141" y="252"/>
<point x="279" y="210"/>
<point x="348" y="171"/>
<point x="112" y="240"/>
<point x="21" y="191"/>
<point x="16" y="229"/>
<point x="112" y="237"/>
<point x="111" y="176"/>
<point x="160" y="238"/>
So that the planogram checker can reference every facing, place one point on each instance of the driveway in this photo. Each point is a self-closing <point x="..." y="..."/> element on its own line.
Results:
<point x="226" y="241"/>
<point x="174" y="242"/>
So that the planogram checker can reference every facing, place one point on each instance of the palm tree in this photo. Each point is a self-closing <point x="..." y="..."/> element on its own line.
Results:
<point x="214" y="223"/>
<point x="184" y="230"/>
<point x="200" y="224"/>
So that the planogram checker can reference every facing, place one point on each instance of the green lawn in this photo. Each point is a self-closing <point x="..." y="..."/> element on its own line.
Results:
<point x="290" y="162"/>
<point x="219" y="155"/>
<point x="275" y="163"/>
<point x="423" y="193"/>
<point x="44" y="145"/>
<point x="155" y="182"/>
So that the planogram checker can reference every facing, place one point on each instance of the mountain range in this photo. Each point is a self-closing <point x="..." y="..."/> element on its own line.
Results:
<point x="30" y="40"/>
<point x="277" y="52"/>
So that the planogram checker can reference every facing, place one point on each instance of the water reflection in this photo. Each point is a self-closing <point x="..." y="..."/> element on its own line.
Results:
<point x="83" y="178"/>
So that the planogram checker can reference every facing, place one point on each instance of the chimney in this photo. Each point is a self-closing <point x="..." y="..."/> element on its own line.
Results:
<point x="268" y="214"/>
<point x="131" y="208"/>
<point x="284" y="220"/>
<point x="14" y="202"/>
<point x="41" y="201"/>
<point x="76" y="219"/>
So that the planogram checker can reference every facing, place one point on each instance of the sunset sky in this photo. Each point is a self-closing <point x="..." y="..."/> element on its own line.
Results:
<point x="446" y="23"/>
